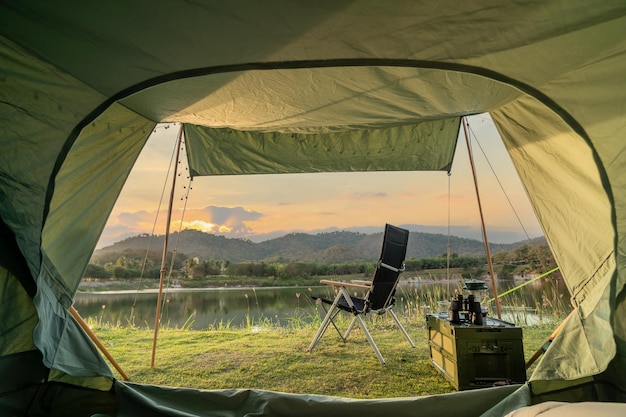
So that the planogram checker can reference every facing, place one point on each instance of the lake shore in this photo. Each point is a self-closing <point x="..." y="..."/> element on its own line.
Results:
<point x="122" y="286"/>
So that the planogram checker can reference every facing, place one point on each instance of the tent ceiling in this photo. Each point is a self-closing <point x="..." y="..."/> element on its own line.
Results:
<point x="320" y="100"/>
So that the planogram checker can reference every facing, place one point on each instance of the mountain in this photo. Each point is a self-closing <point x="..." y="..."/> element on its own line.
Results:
<point x="331" y="247"/>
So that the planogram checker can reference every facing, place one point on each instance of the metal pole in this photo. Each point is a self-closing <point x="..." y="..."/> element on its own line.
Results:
<point x="157" y="319"/>
<point x="482" y="222"/>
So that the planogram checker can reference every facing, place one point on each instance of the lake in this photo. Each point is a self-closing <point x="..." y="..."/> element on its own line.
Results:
<point x="236" y="307"/>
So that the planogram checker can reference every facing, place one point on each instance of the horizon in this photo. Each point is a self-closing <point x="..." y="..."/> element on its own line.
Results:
<point x="262" y="207"/>
<point x="361" y="230"/>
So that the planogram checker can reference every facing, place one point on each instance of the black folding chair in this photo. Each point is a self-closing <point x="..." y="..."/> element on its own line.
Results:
<point x="380" y="295"/>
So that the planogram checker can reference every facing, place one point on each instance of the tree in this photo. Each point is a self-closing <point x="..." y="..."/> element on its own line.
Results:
<point x="506" y="271"/>
<point x="121" y="272"/>
<point x="96" y="271"/>
<point x="500" y="257"/>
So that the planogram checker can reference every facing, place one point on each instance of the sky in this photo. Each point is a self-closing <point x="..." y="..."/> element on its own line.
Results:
<point x="261" y="207"/>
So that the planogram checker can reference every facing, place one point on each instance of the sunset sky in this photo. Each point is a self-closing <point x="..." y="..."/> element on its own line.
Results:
<point x="260" y="207"/>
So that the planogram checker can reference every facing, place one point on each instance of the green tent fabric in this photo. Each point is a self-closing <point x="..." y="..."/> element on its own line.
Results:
<point x="427" y="146"/>
<point x="82" y="86"/>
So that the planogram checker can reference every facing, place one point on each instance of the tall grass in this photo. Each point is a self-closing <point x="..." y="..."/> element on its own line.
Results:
<point x="420" y="301"/>
<point x="413" y="303"/>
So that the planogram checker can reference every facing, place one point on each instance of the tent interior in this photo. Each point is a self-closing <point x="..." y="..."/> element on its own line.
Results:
<point x="307" y="86"/>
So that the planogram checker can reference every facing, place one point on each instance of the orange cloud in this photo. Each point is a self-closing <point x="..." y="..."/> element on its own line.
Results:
<point x="232" y="221"/>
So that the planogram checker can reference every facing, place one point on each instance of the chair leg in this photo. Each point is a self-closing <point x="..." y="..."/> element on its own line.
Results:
<point x="332" y="312"/>
<point x="358" y="318"/>
<point x="349" y="329"/>
<point x="370" y="339"/>
<point x="332" y="321"/>
<point x="328" y="318"/>
<point x="402" y="328"/>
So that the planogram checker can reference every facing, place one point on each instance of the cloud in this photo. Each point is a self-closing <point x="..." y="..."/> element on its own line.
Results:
<point x="227" y="221"/>
<point x="369" y="195"/>
<point x="141" y="217"/>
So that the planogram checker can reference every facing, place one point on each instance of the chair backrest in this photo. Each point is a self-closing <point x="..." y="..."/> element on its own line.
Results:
<point x="389" y="267"/>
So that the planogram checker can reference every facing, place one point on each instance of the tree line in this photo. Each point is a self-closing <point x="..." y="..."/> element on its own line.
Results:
<point x="135" y="263"/>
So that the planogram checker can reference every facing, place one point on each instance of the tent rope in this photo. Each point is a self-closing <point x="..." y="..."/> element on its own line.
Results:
<point x="175" y="249"/>
<point x="152" y="233"/>
<point x="545" y="274"/>
<point x="482" y="220"/>
<point x="519" y="220"/>
<point x="165" y="243"/>
<point x="448" y="247"/>
<point x="543" y="266"/>
<point x="162" y="300"/>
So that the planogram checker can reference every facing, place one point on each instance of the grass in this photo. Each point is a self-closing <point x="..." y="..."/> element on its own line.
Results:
<point x="270" y="355"/>
<point x="276" y="359"/>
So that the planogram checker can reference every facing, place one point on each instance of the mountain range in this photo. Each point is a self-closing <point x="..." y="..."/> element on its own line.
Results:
<point x="331" y="247"/>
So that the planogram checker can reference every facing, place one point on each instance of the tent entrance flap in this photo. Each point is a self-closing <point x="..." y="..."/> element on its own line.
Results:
<point x="426" y="146"/>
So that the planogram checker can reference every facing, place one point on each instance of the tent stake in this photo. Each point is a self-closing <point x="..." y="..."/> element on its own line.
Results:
<point x="97" y="341"/>
<point x="157" y="319"/>
<point x="482" y="222"/>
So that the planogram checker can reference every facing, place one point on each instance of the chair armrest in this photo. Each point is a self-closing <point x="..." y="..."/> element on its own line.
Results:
<point x="361" y="282"/>
<point x="345" y="284"/>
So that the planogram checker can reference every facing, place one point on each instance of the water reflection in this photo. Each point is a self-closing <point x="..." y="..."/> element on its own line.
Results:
<point x="212" y="308"/>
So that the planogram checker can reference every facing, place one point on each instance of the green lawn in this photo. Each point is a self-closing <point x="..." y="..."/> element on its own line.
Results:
<point x="276" y="359"/>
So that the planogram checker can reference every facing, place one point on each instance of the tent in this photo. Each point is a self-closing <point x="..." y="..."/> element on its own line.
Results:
<point x="294" y="86"/>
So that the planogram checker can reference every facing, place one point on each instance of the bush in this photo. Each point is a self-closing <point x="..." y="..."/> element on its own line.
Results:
<point x="97" y="271"/>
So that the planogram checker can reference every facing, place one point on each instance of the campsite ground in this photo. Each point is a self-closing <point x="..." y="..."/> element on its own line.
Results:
<point x="277" y="359"/>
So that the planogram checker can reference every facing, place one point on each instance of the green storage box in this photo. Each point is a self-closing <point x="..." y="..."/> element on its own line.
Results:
<point x="472" y="356"/>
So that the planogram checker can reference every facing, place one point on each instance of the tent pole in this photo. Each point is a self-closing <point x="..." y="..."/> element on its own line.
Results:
<point x="482" y="221"/>
<point x="97" y="341"/>
<point x="157" y="319"/>
<point x="544" y="346"/>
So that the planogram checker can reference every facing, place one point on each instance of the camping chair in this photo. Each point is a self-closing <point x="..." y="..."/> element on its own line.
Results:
<point x="380" y="295"/>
